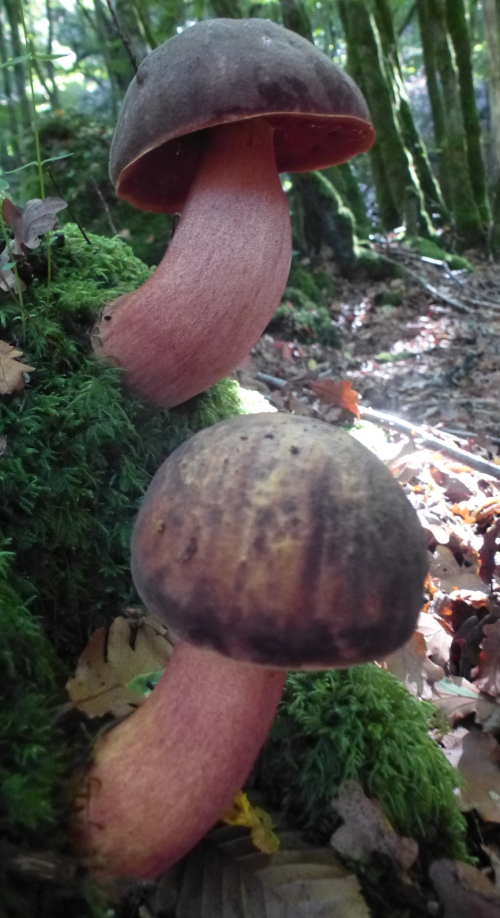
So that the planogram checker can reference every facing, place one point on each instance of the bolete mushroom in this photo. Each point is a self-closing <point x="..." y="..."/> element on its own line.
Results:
<point x="264" y="543"/>
<point x="209" y="121"/>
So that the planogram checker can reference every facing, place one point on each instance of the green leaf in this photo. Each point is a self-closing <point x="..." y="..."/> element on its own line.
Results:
<point x="146" y="682"/>
<point x="34" y="162"/>
<point x="3" y="185"/>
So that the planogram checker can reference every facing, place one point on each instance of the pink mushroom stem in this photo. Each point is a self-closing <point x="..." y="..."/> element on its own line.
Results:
<point x="168" y="772"/>
<point x="221" y="279"/>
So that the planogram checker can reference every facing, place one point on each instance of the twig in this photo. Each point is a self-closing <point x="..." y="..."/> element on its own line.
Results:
<point x="428" y="439"/>
<point x="71" y="213"/>
<point x="272" y="380"/>
<point x="457" y="304"/>
<point x="124" y="40"/>
<point x="106" y="208"/>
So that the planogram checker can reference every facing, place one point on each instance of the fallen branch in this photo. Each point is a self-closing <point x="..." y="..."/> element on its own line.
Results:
<point x="430" y="440"/>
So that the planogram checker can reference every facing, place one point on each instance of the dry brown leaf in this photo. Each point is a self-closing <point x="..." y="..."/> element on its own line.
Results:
<point x="437" y="638"/>
<point x="11" y="370"/>
<point x="411" y="665"/>
<point x="338" y="393"/>
<point x="109" y="663"/>
<point x="488" y="671"/>
<point x="452" y="576"/>
<point x="366" y="829"/>
<point x="464" y="891"/>
<point x="455" y="697"/>
<point x="224" y="875"/>
<point x="479" y="765"/>
<point x="30" y="222"/>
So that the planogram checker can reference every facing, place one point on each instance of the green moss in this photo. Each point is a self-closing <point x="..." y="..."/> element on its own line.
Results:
<point x="362" y="724"/>
<point x="80" y="451"/>
<point x="429" y="249"/>
<point x="303" y="313"/>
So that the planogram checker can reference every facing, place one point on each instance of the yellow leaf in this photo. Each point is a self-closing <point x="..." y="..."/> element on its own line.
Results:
<point x="242" y="813"/>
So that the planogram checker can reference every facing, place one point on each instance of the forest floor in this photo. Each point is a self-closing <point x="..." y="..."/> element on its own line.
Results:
<point x="432" y="360"/>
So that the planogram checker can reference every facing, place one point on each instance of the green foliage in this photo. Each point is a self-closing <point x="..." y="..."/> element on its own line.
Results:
<point x="84" y="183"/>
<point x="429" y="249"/>
<point x="362" y="724"/>
<point x="30" y="770"/>
<point x="80" y="451"/>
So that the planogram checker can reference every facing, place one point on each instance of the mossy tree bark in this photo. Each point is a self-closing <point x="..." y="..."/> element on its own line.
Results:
<point x="491" y="15"/>
<point x="326" y="202"/>
<point x="449" y="130"/>
<point x="411" y="135"/>
<point x="395" y="168"/>
<point x="459" y="33"/>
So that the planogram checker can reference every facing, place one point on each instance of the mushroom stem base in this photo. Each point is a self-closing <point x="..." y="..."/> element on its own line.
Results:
<point x="167" y="773"/>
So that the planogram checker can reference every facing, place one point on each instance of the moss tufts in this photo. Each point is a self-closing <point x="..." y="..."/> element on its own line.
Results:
<point x="362" y="724"/>
<point x="80" y="451"/>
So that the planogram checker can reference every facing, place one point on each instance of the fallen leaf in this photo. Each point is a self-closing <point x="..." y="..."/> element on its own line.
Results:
<point x="445" y="568"/>
<point x="8" y="278"/>
<point x="451" y="744"/>
<point x="464" y="891"/>
<point x="488" y="670"/>
<point x="30" y="222"/>
<point x="224" y="875"/>
<point x="437" y="638"/>
<point x="338" y="393"/>
<point x="487" y="552"/>
<point x="242" y="813"/>
<point x="366" y="829"/>
<point x="110" y="662"/>
<point x="455" y="697"/>
<point x="11" y="370"/>
<point x="479" y="765"/>
<point x="411" y="665"/>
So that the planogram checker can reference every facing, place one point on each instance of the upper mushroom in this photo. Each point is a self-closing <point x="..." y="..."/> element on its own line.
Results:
<point x="207" y="124"/>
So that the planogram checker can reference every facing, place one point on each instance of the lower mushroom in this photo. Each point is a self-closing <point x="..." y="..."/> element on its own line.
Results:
<point x="221" y="279"/>
<point x="267" y="543"/>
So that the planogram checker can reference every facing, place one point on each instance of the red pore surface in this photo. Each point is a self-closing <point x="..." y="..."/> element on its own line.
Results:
<point x="223" y="275"/>
<point x="165" y="775"/>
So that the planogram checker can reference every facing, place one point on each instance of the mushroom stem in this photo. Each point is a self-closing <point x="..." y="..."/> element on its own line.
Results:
<point x="221" y="279"/>
<point x="168" y="772"/>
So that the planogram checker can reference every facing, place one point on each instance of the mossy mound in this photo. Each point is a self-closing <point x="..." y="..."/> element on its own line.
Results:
<point x="303" y="313"/>
<point x="78" y="454"/>
<point x="361" y="724"/>
<point x="80" y="451"/>
<point x="429" y="249"/>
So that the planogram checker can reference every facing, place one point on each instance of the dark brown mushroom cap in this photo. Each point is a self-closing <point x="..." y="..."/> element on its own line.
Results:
<point x="282" y="541"/>
<point x="224" y="70"/>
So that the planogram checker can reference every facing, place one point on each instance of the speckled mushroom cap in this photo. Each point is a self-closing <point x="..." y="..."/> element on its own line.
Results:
<point x="281" y="541"/>
<point x="224" y="70"/>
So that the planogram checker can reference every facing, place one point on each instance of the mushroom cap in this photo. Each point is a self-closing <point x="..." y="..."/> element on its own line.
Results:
<point x="280" y="541"/>
<point x="223" y="70"/>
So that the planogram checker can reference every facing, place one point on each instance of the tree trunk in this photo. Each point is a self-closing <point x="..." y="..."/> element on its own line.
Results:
<point x="492" y="31"/>
<point x="459" y="33"/>
<point x="464" y="209"/>
<point x="393" y="162"/>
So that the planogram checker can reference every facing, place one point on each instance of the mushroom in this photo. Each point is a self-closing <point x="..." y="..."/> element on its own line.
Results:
<point x="264" y="543"/>
<point x="209" y="121"/>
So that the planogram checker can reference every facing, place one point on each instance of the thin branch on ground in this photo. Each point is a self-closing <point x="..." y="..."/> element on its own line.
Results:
<point x="431" y="440"/>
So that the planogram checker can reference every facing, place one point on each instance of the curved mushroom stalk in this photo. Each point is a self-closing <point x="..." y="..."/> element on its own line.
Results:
<point x="166" y="774"/>
<point x="222" y="278"/>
